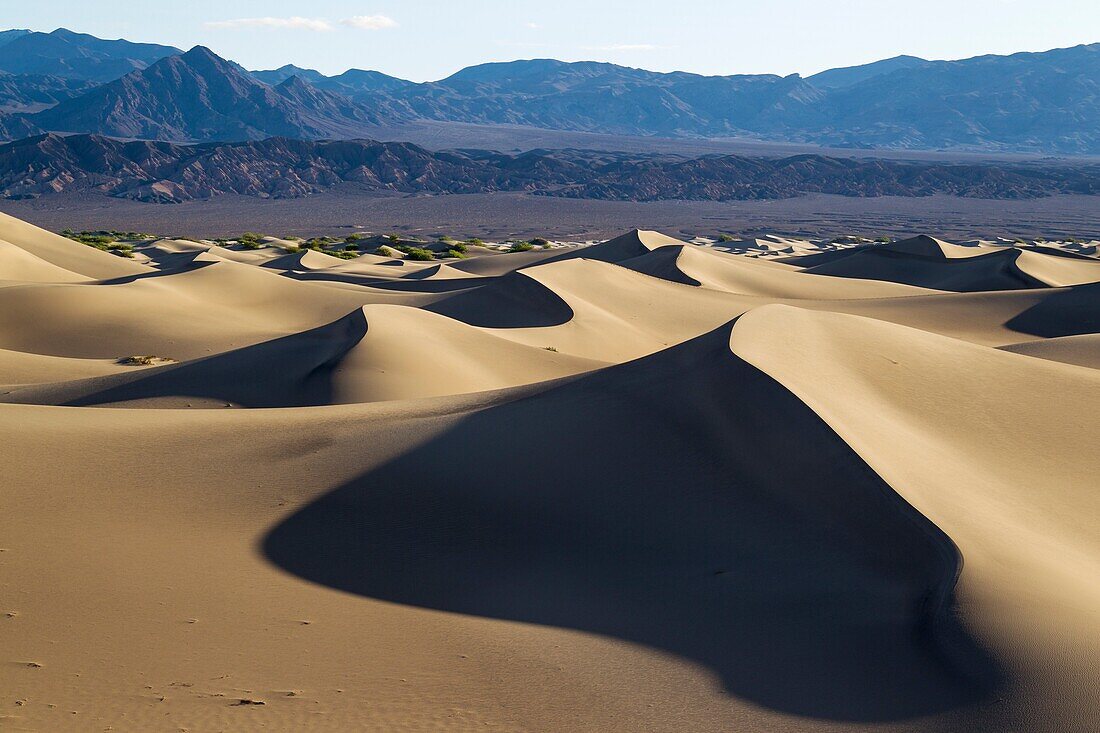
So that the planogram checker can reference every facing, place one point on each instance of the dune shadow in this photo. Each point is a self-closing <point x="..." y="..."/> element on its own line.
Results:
<point x="1066" y="312"/>
<point x="411" y="285"/>
<point x="188" y="266"/>
<point x="982" y="273"/>
<point x="685" y="502"/>
<point x="508" y="301"/>
<point x="290" y="371"/>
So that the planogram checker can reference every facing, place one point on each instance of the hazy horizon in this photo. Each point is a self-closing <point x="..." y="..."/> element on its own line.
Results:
<point x="791" y="36"/>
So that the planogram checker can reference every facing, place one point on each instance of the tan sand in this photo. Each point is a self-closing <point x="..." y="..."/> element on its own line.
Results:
<point x="640" y="485"/>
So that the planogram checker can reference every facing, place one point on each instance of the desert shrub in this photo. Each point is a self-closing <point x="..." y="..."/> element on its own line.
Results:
<point x="882" y="240"/>
<point x="292" y="249"/>
<point x="352" y="238"/>
<point x="725" y="238"/>
<point x="351" y="246"/>
<point x="521" y="247"/>
<point x="89" y="238"/>
<point x="145" y="360"/>
<point x="249" y="237"/>
<point x="385" y="251"/>
<point x="455" y="254"/>
<point x="550" y="348"/>
<point x="394" y="239"/>
<point x="458" y="246"/>
<point x="417" y="253"/>
<point x="446" y="238"/>
<point x="343" y="254"/>
<point x="122" y="249"/>
<point x="474" y="242"/>
<point x="538" y="242"/>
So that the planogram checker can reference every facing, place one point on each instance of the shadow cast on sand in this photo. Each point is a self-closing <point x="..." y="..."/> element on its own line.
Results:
<point x="1065" y="312"/>
<point x="684" y="501"/>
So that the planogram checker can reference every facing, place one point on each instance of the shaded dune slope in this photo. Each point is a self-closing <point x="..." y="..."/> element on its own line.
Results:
<point x="755" y="523"/>
<point x="1032" y="584"/>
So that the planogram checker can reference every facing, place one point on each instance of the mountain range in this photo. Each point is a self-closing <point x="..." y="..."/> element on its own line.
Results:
<point x="286" y="168"/>
<point x="74" y="83"/>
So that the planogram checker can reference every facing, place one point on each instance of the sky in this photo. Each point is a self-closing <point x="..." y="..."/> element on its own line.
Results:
<point x="425" y="40"/>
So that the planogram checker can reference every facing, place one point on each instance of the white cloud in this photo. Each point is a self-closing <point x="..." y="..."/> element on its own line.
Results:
<point x="369" y="22"/>
<point x="294" y="23"/>
<point x="532" y="25"/>
<point x="625" y="47"/>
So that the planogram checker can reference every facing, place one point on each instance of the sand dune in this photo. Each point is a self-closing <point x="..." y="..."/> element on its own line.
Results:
<point x="638" y="485"/>
<point x="65" y="253"/>
<point x="1028" y="560"/>
<point x="375" y="353"/>
<point x="19" y="265"/>
<point x="1082" y="349"/>
<point x="746" y="276"/>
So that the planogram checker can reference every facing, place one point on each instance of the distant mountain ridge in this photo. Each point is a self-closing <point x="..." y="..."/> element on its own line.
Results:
<point x="352" y="82"/>
<point x="201" y="96"/>
<point x="1035" y="102"/>
<point x="73" y="55"/>
<point x="849" y="75"/>
<point x="285" y="168"/>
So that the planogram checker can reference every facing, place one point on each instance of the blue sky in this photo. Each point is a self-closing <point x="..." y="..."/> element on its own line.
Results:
<point x="429" y="39"/>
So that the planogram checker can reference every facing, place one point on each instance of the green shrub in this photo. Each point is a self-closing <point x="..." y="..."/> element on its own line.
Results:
<point x="417" y="253"/>
<point x="539" y="242"/>
<point x="343" y="254"/>
<point x="455" y="254"/>
<point x="394" y="239"/>
<point x="351" y="246"/>
<point x="385" y="251"/>
<point x="474" y="242"/>
<point x="521" y="247"/>
<point x="725" y="238"/>
<point x="352" y="238"/>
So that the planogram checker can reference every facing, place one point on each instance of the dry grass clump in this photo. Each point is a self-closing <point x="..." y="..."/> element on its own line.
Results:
<point x="145" y="360"/>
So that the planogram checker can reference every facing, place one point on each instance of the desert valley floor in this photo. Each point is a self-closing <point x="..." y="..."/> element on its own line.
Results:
<point x="767" y="485"/>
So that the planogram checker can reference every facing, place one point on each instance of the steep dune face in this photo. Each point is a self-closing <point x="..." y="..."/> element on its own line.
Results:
<point x="640" y="485"/>
<point x="1031" y="588"/>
